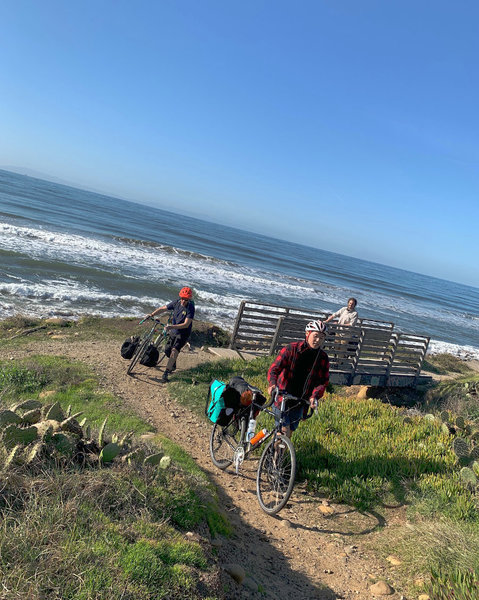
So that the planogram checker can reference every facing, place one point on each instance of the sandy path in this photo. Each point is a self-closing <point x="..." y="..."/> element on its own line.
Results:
<point x="302" y="553"/>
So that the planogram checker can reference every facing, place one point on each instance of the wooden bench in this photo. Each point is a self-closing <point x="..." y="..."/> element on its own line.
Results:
<point x="368" y="353"/>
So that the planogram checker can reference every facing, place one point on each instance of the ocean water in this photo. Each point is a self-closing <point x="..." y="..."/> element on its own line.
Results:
<point x="69" y="252"/>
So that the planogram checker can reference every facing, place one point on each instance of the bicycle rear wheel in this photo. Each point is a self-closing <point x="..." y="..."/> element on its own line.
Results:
<point x="276" y="473"/>
<point x="140" y="351"/>
<point x="224" y="441"/>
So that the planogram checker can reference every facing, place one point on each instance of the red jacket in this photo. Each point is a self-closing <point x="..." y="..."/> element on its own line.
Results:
<point x="281" y="371"/>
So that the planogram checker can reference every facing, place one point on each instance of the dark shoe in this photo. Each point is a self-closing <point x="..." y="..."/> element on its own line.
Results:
<point x="165" y="379"/>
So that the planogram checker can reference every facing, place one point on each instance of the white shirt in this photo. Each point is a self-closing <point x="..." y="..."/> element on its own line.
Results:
<point x="346" y="316"/>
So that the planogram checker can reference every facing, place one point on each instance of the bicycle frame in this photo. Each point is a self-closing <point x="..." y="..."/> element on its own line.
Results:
<point x="145" y="341"/>
<point x="244" y="448"/>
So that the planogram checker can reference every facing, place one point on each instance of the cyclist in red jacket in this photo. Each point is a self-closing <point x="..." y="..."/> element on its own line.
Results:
<point x="302" y="370"/>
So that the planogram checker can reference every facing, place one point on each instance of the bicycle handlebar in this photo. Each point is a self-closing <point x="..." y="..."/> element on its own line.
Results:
<point x="276" y="392"/>
<point x="152" y="318"/>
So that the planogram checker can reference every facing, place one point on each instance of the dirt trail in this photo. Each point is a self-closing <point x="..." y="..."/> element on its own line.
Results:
<point x="302" y="554"/>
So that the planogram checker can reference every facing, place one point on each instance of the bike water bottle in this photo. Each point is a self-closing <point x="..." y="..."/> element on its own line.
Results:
<point x="258" y="437"/>
<point x="251" y="428"/>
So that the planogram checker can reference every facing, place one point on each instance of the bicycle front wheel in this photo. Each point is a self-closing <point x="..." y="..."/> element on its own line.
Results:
<point x="224" y="441"/>
<point x="140" y="351"/>
<point x="276" y="473"/>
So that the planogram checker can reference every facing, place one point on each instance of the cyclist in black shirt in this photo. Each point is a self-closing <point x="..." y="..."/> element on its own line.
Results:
<point x="183" y="313"/>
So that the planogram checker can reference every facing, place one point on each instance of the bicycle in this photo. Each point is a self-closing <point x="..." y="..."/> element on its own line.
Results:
<point x="154" y="337"/>
<point x="277" y="465"/>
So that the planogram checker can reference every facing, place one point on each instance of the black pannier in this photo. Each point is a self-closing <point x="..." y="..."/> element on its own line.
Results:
<point x="129" y="346"/>
<point x="238" y="394"/>
<point x="150" y="357"/>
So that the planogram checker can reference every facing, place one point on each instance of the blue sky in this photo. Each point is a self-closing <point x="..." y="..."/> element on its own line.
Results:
<point x="350" y="126"/>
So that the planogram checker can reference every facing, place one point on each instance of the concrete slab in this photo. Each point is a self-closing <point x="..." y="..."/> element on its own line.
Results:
<point x="223" y="353"/>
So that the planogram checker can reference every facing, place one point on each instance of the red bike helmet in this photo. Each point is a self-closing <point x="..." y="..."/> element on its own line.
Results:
<point x="186" y="292"/>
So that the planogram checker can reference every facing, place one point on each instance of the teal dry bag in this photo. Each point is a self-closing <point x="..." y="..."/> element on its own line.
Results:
<point x="215" y="409"/>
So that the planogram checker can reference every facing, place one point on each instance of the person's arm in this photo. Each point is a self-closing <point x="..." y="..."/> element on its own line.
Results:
<point x="322" y="377"/>
<point x="160" y="309"/>
<point x="275" y="369"/>
<point x="333" y="316"/>
<point x="184" y="325"/>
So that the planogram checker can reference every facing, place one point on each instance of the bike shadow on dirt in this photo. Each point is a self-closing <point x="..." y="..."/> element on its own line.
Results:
<point x="344" y="520"/>
<point x="152" y="376"/>
<point x="252" y="548"/>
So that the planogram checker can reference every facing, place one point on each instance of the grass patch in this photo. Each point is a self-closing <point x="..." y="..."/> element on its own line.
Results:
<point x="442" y="364"/>
<point x="69" y="383"/>
<point x="86" y="533"/>
<point x="366" y="454"/>
<point x="460" y="396"/>
<point x="447" y="550"/>
<point x="18" y="330"/>
<point x="100" y="534"/>
<point x="358" y="452"/>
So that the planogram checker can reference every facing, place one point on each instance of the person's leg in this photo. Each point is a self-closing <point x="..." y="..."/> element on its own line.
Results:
<point x="171" y="365"/>
<point x="175" y="345"/>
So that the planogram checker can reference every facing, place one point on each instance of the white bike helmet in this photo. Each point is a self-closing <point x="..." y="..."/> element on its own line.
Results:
<point x="318" y="326"/>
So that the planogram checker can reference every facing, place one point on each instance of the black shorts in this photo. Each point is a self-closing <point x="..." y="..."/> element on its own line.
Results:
<point x="175" y="342"/>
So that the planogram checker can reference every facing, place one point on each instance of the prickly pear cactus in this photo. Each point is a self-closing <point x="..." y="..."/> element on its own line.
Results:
<point x="9" y="416"/>
<point x="460" y="447"/>
<point x="31" y="433"/>
<point x="153" y="459"/>
<point x="468" y="476"/>
<point x="109" y="452"/>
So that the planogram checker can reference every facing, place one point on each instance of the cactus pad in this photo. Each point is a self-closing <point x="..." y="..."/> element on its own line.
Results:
<point x="445" y="416"/>
<point x="153" y="459"/>
<point x="109" y="452"/>
<point x="460" y="422"/>
<point x="12" y="457"/>
<point x="460" y="447"/>
<point x="32" y="416"/>
<point x="468" y="476"/>
<point x="8" y="416"/>
<point x="12" y="435"/>
<point x="71" y="425"/>
<point x="101" y="433"/>
<point x="27" y="405"/>
<point x="55" y="412"/>
<point x="445" y="428"/>
<point x="64" y="443"/>
<point x="136" y="456"/>
<point x="34" y="452"/>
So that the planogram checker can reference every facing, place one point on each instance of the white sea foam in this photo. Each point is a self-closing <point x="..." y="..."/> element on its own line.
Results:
<point x="463" y="352"/>
<point x="71" y="292"/>
<point x="152" y="263"/>
<point x="219" y="285"/>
